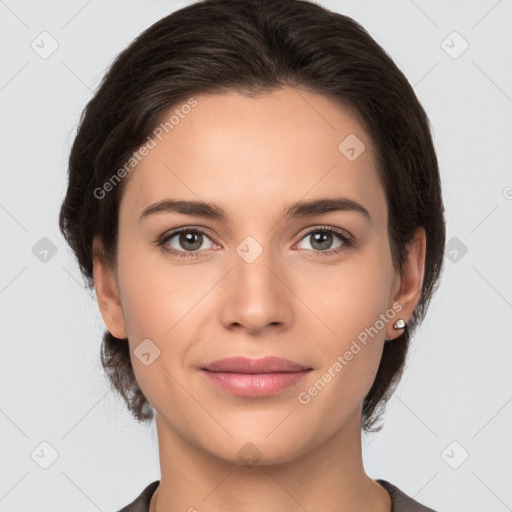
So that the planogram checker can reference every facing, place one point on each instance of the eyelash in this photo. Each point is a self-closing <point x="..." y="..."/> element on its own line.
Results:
<point x="347" y="240"/>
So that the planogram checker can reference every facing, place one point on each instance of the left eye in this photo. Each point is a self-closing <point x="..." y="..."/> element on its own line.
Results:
<point x="322" y="239"/>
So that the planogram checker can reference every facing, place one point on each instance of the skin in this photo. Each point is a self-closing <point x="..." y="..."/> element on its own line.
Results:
<point x="253" y="157"/>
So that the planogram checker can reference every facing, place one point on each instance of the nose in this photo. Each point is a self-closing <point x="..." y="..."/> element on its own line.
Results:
<point x="256" y="293"/>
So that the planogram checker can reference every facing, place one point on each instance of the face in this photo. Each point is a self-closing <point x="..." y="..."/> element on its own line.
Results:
<point x="306" y="286"/>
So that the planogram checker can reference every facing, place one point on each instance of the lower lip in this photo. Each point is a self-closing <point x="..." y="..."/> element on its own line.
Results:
<point x="255" y="385"/>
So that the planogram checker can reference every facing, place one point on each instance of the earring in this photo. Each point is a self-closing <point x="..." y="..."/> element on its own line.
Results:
<point x="399" y="324"/>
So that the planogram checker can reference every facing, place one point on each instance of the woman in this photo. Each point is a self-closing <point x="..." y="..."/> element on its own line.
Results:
<point x="255" y="196"/>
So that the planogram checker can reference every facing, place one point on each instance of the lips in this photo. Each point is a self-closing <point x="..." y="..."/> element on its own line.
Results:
<point x="256" y="378"/>
<point x="253" y="366"/>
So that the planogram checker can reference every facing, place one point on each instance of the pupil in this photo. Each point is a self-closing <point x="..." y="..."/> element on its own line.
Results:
<point x="189" y="237"/>
<point x="324" y="240"/>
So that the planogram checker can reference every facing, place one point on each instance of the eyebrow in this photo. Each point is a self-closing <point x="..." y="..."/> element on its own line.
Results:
<point x="295" y="210"/>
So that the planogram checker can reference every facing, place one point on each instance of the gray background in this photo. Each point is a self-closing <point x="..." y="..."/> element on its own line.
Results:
<point x="455" y="397"/>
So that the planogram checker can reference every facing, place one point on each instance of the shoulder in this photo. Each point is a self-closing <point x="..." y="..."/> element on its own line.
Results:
<point x="401" y="501"/>
<point x="141" y="502"/>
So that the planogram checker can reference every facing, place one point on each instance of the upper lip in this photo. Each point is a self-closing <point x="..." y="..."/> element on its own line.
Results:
<point x="246" y="365"/>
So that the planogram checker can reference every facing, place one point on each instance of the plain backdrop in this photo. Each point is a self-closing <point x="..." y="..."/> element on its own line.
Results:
<point x="447" y="434"/>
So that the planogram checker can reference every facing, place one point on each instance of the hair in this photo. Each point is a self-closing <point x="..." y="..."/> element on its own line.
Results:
<point x="255" y="47"/>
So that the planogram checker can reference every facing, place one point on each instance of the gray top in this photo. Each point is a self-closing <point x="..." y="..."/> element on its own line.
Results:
<point x="401" y="502"/>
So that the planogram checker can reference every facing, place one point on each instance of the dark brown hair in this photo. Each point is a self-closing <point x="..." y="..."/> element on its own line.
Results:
<point x="254" y="47"/>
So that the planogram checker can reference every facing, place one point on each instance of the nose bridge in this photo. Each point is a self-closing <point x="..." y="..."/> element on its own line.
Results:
<point x="253" y="264"/>
<point x="255" y="296"/>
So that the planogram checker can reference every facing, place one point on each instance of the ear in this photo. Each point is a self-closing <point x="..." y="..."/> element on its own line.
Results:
<point x="410" y="282"/>
<point x="107" y="292"/>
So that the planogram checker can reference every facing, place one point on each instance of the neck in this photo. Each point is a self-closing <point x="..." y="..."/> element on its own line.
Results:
<point x="329" y="476"/>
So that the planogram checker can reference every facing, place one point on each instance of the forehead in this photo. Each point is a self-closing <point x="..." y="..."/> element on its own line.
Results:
<point x="246" y="152"/>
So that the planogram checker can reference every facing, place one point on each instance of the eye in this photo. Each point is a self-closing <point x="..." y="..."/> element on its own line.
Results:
<point x="184" y="240"/>
<point x="321" y="240"/>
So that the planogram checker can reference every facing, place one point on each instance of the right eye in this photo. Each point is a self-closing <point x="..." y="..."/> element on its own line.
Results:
<point x="184" y="240"/>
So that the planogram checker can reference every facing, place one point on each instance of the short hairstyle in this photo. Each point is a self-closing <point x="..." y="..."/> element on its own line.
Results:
<point x="255" y="47"/>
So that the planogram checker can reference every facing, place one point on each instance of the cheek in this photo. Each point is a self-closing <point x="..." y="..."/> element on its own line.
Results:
<point x="350" y="304"/>
<point x="164" y="303"/>
<point x="155" y="305"/>
<point x="351" y="296"/>
<point x="155" y="296"/>
<point x="350" y="300"/>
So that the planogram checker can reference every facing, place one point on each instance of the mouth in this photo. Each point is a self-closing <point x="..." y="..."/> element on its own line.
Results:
<point x="253" y="366"/>
<point x="241" y="376"/>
